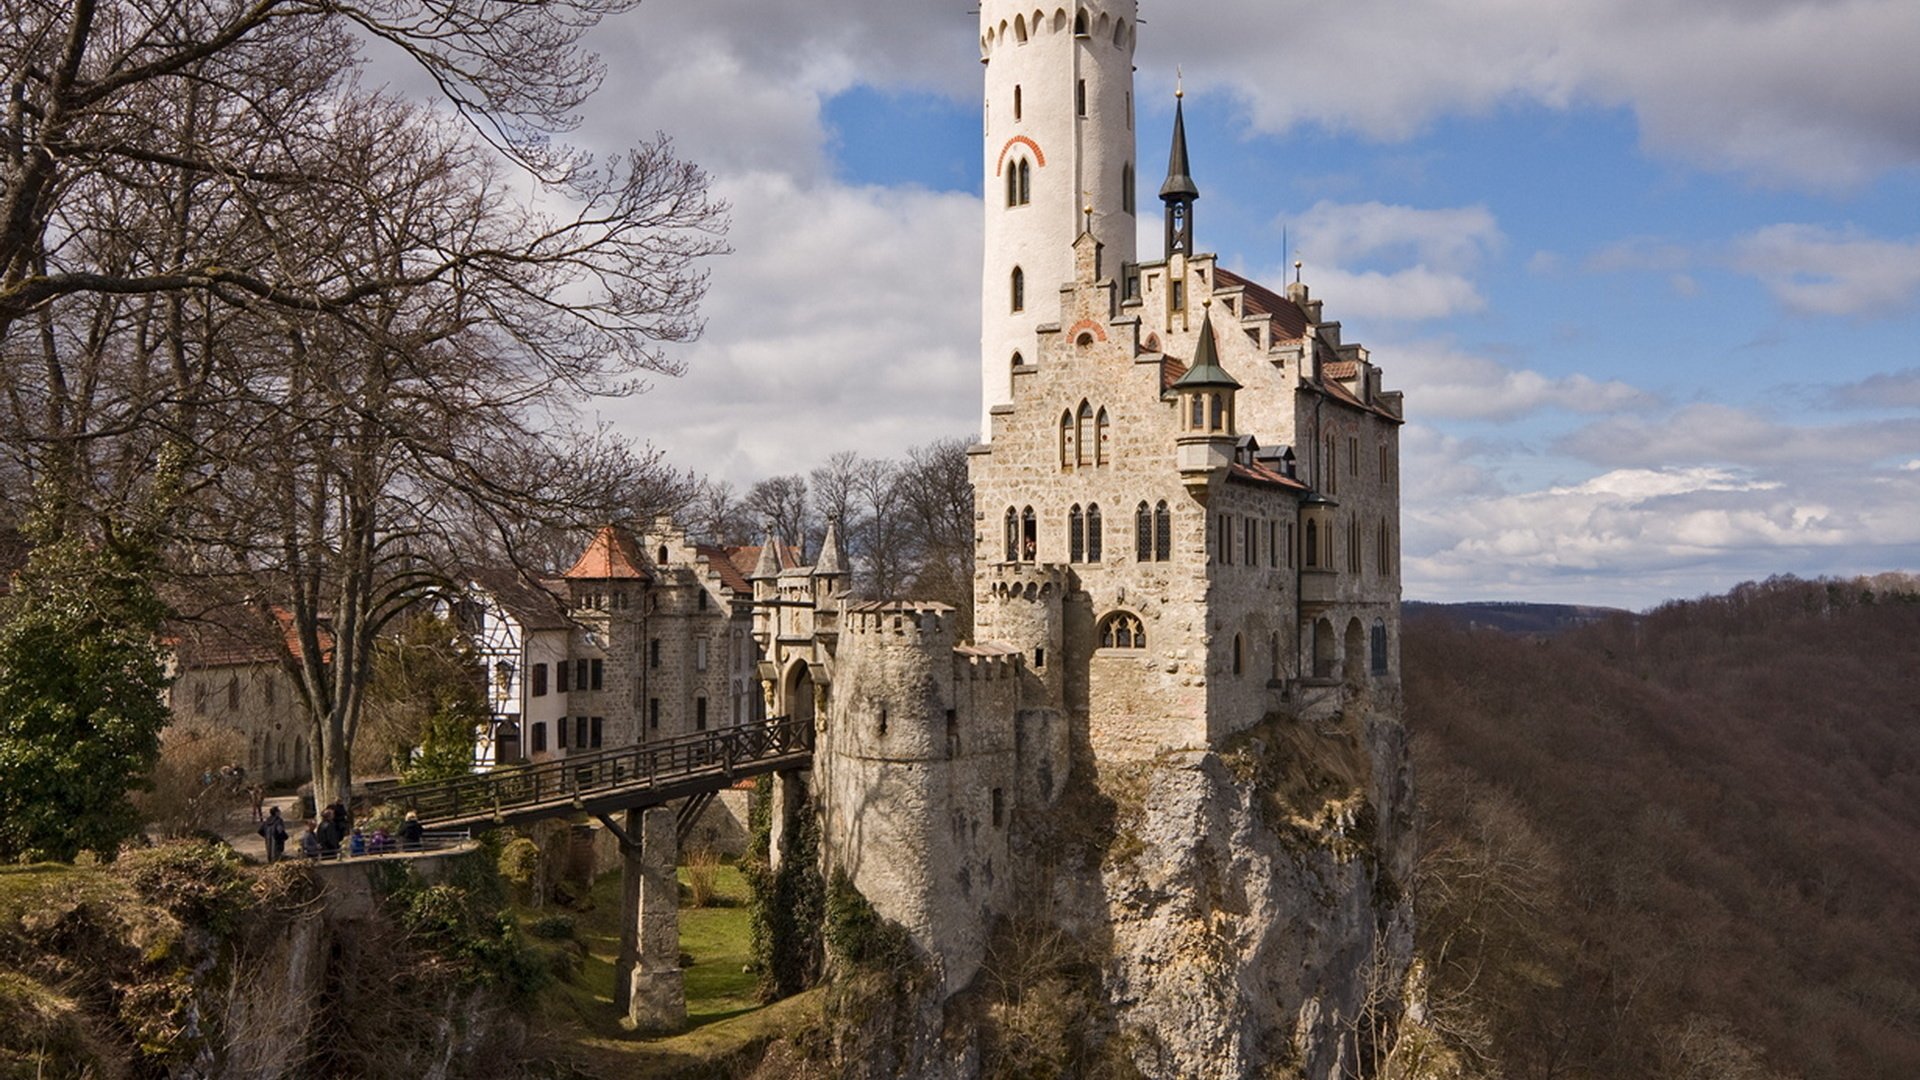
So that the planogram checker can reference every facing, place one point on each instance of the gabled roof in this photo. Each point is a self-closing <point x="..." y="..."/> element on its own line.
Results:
<point x="1289" y="321"/>
<point x="535" y="606"/>
<point x="732" y="565"/>
<point x="239" y="637"/>
<point x="1259" y="473"/>
<point x="613" y="555"/>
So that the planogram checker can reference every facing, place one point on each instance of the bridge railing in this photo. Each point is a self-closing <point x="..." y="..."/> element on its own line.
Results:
<point x="582" y="775"/>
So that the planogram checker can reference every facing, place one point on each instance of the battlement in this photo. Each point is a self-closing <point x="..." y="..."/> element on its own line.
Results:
<point x="1010" y="23"/>
<point x="1026" y="581"/>
<point x="985" y="662"/>
<point x="899" y="623"/>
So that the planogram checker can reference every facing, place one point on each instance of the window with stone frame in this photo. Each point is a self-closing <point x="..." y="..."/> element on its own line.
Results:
<point x="1102" y="431"/>
<point x="1067" y="450"/>
<point x="1143" y="532"/>
<point x="1162" y="532"/>
<point x="1122" y="630"/>
<point x="1076" y="535"/>
<point x="1013" y="535"/>
<point x="1094" y="539"/>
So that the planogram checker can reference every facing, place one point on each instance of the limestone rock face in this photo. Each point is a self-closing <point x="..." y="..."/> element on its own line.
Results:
<point x="1251" y="900"/>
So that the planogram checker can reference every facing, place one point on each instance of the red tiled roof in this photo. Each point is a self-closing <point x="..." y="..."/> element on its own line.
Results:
<point x="1261" y="474"/>
<point x="1170" y="372"/>
<point x="722" y="561"/>
<point x="613" y="555"/>
<point x="1288" y="320"/>
<point x="1341" y="369"/>
<point x="238" y="638"/>
<point x="746" y="559"/>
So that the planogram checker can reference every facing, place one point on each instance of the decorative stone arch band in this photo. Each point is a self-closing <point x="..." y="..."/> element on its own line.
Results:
<point x="1039" y="155"/>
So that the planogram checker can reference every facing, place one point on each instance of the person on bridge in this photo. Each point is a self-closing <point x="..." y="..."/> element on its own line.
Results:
<point x="411" y="833"/>
<point x="310" y="841"/>
<point x="274" y="831"/>
<point x="330" y="834"/>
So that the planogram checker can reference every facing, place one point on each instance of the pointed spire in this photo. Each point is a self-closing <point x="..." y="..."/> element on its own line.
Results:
<point x="1206" y="370"/>
<point x="1179" y="183"/>
<point x="1179" y="192"/>
<point x="769" y="564"/>
<point x="833" y="557"/>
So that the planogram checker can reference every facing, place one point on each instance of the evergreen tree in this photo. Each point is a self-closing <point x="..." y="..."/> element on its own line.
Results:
<point x="81" y="707"/>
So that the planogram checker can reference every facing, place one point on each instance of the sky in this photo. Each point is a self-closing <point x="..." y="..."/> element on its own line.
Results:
<point x="1648" y="271"/>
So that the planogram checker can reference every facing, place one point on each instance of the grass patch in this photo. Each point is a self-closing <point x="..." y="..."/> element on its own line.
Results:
<point x="724" y="1013"/>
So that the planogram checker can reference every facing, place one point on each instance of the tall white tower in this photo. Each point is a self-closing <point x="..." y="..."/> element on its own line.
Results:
<point x="1059" y="139"/>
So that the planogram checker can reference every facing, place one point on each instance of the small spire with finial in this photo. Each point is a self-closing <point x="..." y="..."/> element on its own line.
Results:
<point x="1086" y="208"/>
<point x="1296" y="271"/>
<point x="1179" y="82"/>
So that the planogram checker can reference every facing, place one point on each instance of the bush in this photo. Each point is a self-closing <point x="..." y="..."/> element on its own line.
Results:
<point x="201" y="884"/>
<point x="552" y="928"/>
<point x="703" y="868"/>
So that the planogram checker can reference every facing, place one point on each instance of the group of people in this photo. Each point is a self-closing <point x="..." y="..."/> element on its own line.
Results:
<point x="335" y="836"/>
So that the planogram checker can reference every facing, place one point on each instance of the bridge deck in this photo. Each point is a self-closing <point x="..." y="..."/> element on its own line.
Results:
<point x="607" y="781"/>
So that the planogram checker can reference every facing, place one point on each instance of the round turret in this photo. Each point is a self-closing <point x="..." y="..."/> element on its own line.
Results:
<point x="1059" y="140"/>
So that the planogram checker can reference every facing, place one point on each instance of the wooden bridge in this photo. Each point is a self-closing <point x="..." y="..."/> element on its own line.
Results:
<point x="606" y="782"/>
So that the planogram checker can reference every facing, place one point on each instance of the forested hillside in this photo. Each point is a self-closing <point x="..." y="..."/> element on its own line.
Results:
<point x="1685" y="845"/>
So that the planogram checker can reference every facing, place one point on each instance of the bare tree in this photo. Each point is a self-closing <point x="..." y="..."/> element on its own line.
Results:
<point x="714" y="515"/>
<point x="319" y="308"/>
<point x="781" y="504"/>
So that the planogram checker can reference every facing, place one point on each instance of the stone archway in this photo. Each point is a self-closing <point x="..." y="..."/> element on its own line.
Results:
<point x="1353" y="654"/>
<point x="797" y="693"/>
<point x="1323" y="658"/>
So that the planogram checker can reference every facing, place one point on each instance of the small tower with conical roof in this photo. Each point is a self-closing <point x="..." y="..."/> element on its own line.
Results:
<point x="1206" y="409"/>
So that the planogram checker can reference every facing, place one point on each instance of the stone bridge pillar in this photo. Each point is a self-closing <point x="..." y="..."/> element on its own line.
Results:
<point x="648" y="984"/>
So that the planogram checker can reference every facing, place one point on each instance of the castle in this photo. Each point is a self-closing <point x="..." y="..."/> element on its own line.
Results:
<point x="1187" y="508"/>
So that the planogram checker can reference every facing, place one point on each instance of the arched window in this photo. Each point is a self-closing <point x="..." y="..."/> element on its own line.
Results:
<point x="1080" y="24"/>
<point x="1018" y="289"/>
<point x="1142" y="533"/>
<point x="1101" y="430"/>
<point x="1093" y="532"/>
<point x="1013" y="535"/>
<point x="1029" y="535"/>
<point x="1076" y="535"/>
<point x="1122" y="630"/>
<point x="1083" y="434"/>
<point x="1383" y="555"/>
<point x="1066" y="439"/>
<point x="1379" y="649"/>
<point x="1120" y="32"/>
<point x="1019" y="35"/>
<point x="1162" y="532"/>
<point x="1313" y="543"/>
<point x="1199" y="418"/>
<point x="1219" y="412"/>
<point x="1020" y="183"/>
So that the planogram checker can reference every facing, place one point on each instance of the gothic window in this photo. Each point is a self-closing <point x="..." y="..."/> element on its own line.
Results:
<point x="1122" y="630"/>
<point x="1020" y="183"/>
<point x="1383" y="554"/>
<point x="1067" y="453"/>
<point x="1353" y="547"/>
<point x="1332" y="468"/>
<point x="1379" y="649"/>
<point x="1142" y="533"/>
<point x="702" y="604"/>
<point x="1013" y="535"/>
<point x="1018" y="288"/>
<point x="1029" y="535"/>
<point x="1076" y="535"/>
<point x="1217" y="421"/>
<point x="1313" y="543"/>
<point x="1019" y="35"/>
<point x="1083" y="434"/>
<point x="1250" y="541"/>
<point x="1162" y="532"/>
<point x="1198" y="421"/>
<point x="1093" y="532"/>
<point x="1353" y="456"/>
<point x="1080" y="24"/>
<point x="1102" y="428"/>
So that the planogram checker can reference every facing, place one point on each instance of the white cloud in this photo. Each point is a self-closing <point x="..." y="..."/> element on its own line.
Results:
<point x="1347" y="243"/>
<point x="1887" y="390"/>
<point x="846" y="319"/>
<point x="1819" y="271"/>
<point x="1722" y="434"/>
<point x="1816" y="93"/>
<point x="1442" y="382"/>
<point x="1635" y="536"/>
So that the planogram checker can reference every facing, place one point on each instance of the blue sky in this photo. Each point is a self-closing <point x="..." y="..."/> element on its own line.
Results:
<point x="1648" y="271"/>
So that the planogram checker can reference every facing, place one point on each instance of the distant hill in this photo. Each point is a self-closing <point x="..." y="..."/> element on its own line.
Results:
<point x="1510" y="617"/>
<point x="1681" y="845"/>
